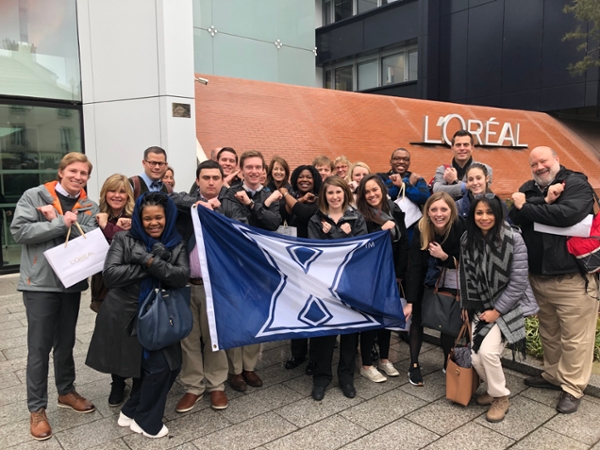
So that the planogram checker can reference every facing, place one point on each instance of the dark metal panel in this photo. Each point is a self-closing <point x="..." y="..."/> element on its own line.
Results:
<point x="592" y="92"/>
<point x="453" y="56"/>
<point x="522" y="49"/>
<point x="563" y="97"/>
<point x="484" y="65"/>
<point x="475" y="3"/>
<point x="557" y="55"/>
<point x="491" y="100"/>
<point x="529" y="100"/>
<point x="452" y="6"/>
<point x="396" y="25"/>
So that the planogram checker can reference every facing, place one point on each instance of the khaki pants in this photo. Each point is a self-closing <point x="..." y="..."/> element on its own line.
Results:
<point x="487" y="362"/>
<point x="243" y="358"/>
<point x="567" y="328"/>
<point x="198" y="373"/>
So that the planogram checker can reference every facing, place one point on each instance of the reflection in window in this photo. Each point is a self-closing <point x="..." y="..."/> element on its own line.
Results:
<point x="343" y="9"/>
<point x="343" y="79"/>
<point x="328" y="79"/>
<point x="39" y="55"/>
<point x="392" y="69"/>
<point x="413" y="65"/>
<point x="33" y="140"/>
<point x="327" y="12"/>
<point x="366" y="5"/>
<point x="367" y="75"/>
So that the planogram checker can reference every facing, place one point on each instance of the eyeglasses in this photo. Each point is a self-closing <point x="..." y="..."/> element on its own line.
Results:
<point x="156" y="163"/>
<point x="488" y="195"/>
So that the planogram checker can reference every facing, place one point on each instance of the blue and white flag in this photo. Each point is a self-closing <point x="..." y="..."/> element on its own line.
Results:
<point x="262" y="286"/>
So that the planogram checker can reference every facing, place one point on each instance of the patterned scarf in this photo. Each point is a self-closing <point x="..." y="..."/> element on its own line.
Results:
<point x="484" y="274"/>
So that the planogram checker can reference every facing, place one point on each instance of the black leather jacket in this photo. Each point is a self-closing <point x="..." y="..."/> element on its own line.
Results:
<point x="113" y="348"/>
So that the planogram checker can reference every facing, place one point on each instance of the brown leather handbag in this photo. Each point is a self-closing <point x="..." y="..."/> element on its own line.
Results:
<point x="461" y="382"/>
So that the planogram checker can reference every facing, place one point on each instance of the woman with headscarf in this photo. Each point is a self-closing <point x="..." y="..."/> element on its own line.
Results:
<point x="149" y="254"/>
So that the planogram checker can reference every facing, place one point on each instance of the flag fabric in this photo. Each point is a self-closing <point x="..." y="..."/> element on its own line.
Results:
<point x="261" y="286"/>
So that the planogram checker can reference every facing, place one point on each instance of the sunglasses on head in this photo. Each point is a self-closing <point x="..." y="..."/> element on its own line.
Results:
<point x="488" y="195"/>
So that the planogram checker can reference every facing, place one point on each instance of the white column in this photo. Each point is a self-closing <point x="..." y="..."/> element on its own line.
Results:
<point x="137" y="60"/>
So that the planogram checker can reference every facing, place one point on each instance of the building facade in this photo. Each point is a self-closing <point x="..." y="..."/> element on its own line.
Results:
<point x="504" y="53"/>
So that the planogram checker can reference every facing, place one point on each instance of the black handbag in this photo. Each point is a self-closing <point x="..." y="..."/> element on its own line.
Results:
<point x="441" y="310"/>
<point x="164" y="318"/>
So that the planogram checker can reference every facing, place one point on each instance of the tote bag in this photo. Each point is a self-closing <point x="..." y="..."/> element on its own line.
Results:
<point x="441" y="310"/>
<point x="164" y="318"/>
<point x="412" y="212"/>
<point x="79" y="258"/>
<point x="461" y="382"/>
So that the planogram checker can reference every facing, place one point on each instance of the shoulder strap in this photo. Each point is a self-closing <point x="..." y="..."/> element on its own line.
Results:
<point x="137" y="189"/>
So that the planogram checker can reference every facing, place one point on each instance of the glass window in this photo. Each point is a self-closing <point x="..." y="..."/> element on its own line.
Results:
<point x="413" y="65"/>
<point x="328" y="79"/>
<point x="366" y="5"/>
<point x="343" y="79"/>
<point x="33" y="140"/>
<point x="343" y="9"/>
<point x="367" y="75"/>
<point x="392" y="69"/>
<point x="327" y="12"/>
<point x="39" y="55"/>
<point x="386" y="2"/>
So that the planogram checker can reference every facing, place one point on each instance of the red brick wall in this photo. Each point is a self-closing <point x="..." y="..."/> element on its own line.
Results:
<point x="300" y="123"/>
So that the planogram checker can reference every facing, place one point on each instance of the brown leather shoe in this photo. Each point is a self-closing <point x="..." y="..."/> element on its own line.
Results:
<point x="237" y="383"/>
<point x="252" y="379"/>
<point x="187" y="402"/>
<point x="76" y="402"/>
<point x="39" y="426"/>
<point x="218" y="400"/>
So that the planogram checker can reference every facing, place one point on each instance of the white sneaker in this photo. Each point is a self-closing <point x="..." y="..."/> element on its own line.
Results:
<point x="388" y="368"/>
<point x="137" y="429"/>
<point x="372" y="374"/>
<point x="124" y="421"/>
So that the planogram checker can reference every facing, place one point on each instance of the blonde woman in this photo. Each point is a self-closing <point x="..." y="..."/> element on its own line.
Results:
<point x="116" y="207"/>
<point x="435" y="245"/>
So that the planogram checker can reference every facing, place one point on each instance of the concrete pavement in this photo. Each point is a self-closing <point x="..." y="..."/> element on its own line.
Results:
<point x="282" y="415"/>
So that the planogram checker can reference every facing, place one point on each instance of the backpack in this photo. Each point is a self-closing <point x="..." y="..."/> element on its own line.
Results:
<point x="587" y="250"/>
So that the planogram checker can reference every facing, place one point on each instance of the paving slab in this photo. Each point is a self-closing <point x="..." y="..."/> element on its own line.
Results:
<point x="282" y="415"/>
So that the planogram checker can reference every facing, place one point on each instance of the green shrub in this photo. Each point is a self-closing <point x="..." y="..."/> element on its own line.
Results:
<point x="534" y="343"/>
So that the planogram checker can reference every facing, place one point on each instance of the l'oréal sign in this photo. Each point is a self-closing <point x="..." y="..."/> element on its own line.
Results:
<point x="489" y="133"/>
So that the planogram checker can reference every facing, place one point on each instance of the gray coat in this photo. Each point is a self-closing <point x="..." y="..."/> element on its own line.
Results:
<point x="518" y="291"/>
<point x="36" y="235"/>
<point x="457" y="190"/>
<point x="114" y="349"/>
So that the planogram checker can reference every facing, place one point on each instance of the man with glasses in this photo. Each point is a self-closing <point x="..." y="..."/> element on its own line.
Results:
<point x="150" y="180"/>
<point x="450" y="178"/>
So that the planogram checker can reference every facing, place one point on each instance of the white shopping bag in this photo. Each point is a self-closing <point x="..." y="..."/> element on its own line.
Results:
<point x="80" y="258"/>
<point x="581" y="229"/>
<point x="412" y="212"/>
<point x="287" y="230"/>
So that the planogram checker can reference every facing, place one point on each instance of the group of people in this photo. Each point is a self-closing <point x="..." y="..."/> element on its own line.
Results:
<point x="466" y="241"/>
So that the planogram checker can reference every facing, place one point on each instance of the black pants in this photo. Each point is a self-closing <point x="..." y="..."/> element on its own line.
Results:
<point x="51" y="322"/>
<point x="146" y="405"/>
<point x="416" y="337"/>
<point x="300" y="348"/>
<point x="324" y="347"/>
<point x="367" y="339"/>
